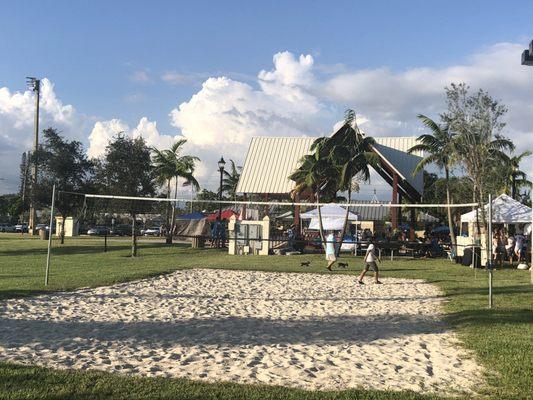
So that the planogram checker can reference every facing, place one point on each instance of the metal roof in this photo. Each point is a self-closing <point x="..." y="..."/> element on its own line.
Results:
<point x="378" y="213"/>
<point x="270" y="160"/>
<point x="394" y="151"/>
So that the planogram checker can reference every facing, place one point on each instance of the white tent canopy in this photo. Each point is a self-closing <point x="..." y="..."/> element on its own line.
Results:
<point x="505" y="210"/>
<point x="332" y="217"/>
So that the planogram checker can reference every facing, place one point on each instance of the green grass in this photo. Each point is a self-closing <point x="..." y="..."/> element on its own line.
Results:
<point x="501" y="339"/>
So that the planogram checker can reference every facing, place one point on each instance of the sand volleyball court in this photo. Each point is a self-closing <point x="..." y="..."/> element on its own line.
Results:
<point x="301" y="330"/>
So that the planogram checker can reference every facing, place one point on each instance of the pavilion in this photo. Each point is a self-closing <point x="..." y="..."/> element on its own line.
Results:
<point x="270" y="160"/>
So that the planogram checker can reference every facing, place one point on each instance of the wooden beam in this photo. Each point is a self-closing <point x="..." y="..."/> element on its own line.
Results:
<point x="394" y="210"/>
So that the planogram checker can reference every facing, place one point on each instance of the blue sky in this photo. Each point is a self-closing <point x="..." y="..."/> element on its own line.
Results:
<point x="109" y="59"/>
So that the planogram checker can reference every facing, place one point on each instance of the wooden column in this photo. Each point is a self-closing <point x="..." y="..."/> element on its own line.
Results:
<point x="297" y="214"/>
<point x="394" y="210"/>
<point x="413" y="224"/>
<point x="400" y="217"/>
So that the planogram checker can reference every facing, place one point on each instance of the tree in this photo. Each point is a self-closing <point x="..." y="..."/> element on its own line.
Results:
<point x="168" y="165"/>
<point x="440" y="147"/>
<point x="63" y="163"/>
<point x="516" y="178"/>
<point x="477" y="119"/>
<point x="351" y="154"/>
<point x="231" y="179"/>
<point x="126" y="170"/>
<point x="315" y="176"/>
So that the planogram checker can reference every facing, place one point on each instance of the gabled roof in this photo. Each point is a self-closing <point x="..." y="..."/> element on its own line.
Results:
<point x="270" y="160"/>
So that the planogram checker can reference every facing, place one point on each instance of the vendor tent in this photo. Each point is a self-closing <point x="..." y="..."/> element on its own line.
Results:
<point x="333" y="217"/>
<point x="191" y="216"/>
<point x="226" y="214"/>
<point x="505" y="210"/>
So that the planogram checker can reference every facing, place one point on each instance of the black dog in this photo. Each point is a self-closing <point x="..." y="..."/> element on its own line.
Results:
<point x="343" y="265"/>
<point x="305" y="263"/>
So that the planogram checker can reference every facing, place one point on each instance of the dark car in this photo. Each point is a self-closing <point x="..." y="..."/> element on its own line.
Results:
<point x="121" y="230"/>
<point x="98" y="231"/>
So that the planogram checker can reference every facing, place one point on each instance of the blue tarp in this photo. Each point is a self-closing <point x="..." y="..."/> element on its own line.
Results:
<point x="194" y="215"/>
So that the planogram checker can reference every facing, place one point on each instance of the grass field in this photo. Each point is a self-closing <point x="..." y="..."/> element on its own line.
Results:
<point x="502" y="338"/>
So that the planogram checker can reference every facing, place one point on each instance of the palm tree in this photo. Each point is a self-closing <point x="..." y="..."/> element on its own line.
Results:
<point x="517" y="178"/>
<point x="351" y="153"/>
<point x="168" y="165"/>
<point x="315" y="176"/>
<point x="231" y="179"/>
<point x="441" y="149"/>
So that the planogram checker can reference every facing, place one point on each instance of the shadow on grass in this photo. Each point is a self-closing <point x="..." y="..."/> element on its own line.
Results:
<point x="486" y="317"/>
<point x="74" y="249"/>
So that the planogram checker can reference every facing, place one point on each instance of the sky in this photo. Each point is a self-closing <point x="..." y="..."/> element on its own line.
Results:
<point x="219" y="73"/>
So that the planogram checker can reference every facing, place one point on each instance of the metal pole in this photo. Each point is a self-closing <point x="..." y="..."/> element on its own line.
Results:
<point x="50" y="236"/>
<point x="221" y="169"/>
<point x="105" y="243"/>
<point x="37" y="89"/>
<point x="489" y="249"/>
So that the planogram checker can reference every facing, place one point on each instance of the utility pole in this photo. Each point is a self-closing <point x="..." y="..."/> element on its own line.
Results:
<point x="34" y="84"/>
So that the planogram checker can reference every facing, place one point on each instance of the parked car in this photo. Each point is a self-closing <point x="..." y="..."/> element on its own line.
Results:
<point x="121" y="230"/>
<point x="151" y="231"/>
<point x="21" y="228"/>
<point x="7" y="228"/>
<point x="98" y="231"/>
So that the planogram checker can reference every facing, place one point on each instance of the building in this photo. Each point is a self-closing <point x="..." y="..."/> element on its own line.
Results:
<point x="270" y="160"/>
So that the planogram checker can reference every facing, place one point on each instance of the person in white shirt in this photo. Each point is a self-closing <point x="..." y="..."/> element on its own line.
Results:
<point x="330" y="250"/>
<point x="370" y="263"/>
<point x="519" y="246"/>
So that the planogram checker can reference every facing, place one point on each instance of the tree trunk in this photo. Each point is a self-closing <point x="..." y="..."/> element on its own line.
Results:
<point x="449" y="209"/>
<point x="474" y="198"/>
<point x="168" y="239"/>
<point x="345" y="225"/>
<point x="173" y="214"/>
<point x="320" y="227"/>
<point x="64" y="217"/>
<point x="133" y="237"/>
<point x="513" y="188"/>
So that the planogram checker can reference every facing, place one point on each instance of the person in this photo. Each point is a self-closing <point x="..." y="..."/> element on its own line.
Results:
<point x="330" y="250"/>
<point x="519" y="246"/>
<point x="370" y="263"/>
<point x="291" y="235"/>
<point x="509" y="248"/>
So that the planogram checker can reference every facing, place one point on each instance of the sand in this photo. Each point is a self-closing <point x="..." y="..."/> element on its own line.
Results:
<point x="309" y="331"/>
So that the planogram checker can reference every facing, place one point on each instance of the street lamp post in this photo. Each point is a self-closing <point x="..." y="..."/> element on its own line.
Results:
<point x="221" y="164"/>
<point x="34" y="84"/>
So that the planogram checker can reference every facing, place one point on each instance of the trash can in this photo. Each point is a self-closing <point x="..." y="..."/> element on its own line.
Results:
<point x="43" y="234"/>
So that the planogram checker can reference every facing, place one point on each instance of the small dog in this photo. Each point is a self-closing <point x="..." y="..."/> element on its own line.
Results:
<point x="305" y="263"/>
<point x="343" y="265"/>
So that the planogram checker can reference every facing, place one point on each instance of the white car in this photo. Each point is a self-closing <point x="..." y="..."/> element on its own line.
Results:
<point x="151" y="232"/>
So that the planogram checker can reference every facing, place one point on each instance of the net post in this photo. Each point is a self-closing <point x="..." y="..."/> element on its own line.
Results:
<point x="489" y="249"/>
<point x="49" y="253"/>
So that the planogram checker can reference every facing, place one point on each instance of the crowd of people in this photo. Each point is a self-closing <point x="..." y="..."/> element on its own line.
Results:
<point x="506" y="246"/>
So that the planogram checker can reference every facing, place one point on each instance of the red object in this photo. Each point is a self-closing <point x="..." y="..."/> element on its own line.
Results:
<point x="226" y="214"/>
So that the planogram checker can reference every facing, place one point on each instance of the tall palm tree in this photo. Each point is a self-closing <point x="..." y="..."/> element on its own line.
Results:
<point x="440" y="145"/>
<point x="231" y="179"/>
<point x="351" y="154"/>
<point x="169" y="165"/>
<point x="315" y="176"/>
<point x="517" y="178"/>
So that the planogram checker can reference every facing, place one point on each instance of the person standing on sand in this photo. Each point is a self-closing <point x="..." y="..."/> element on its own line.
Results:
<point x="330" y="250"/>
<point x="370" y="262"/>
